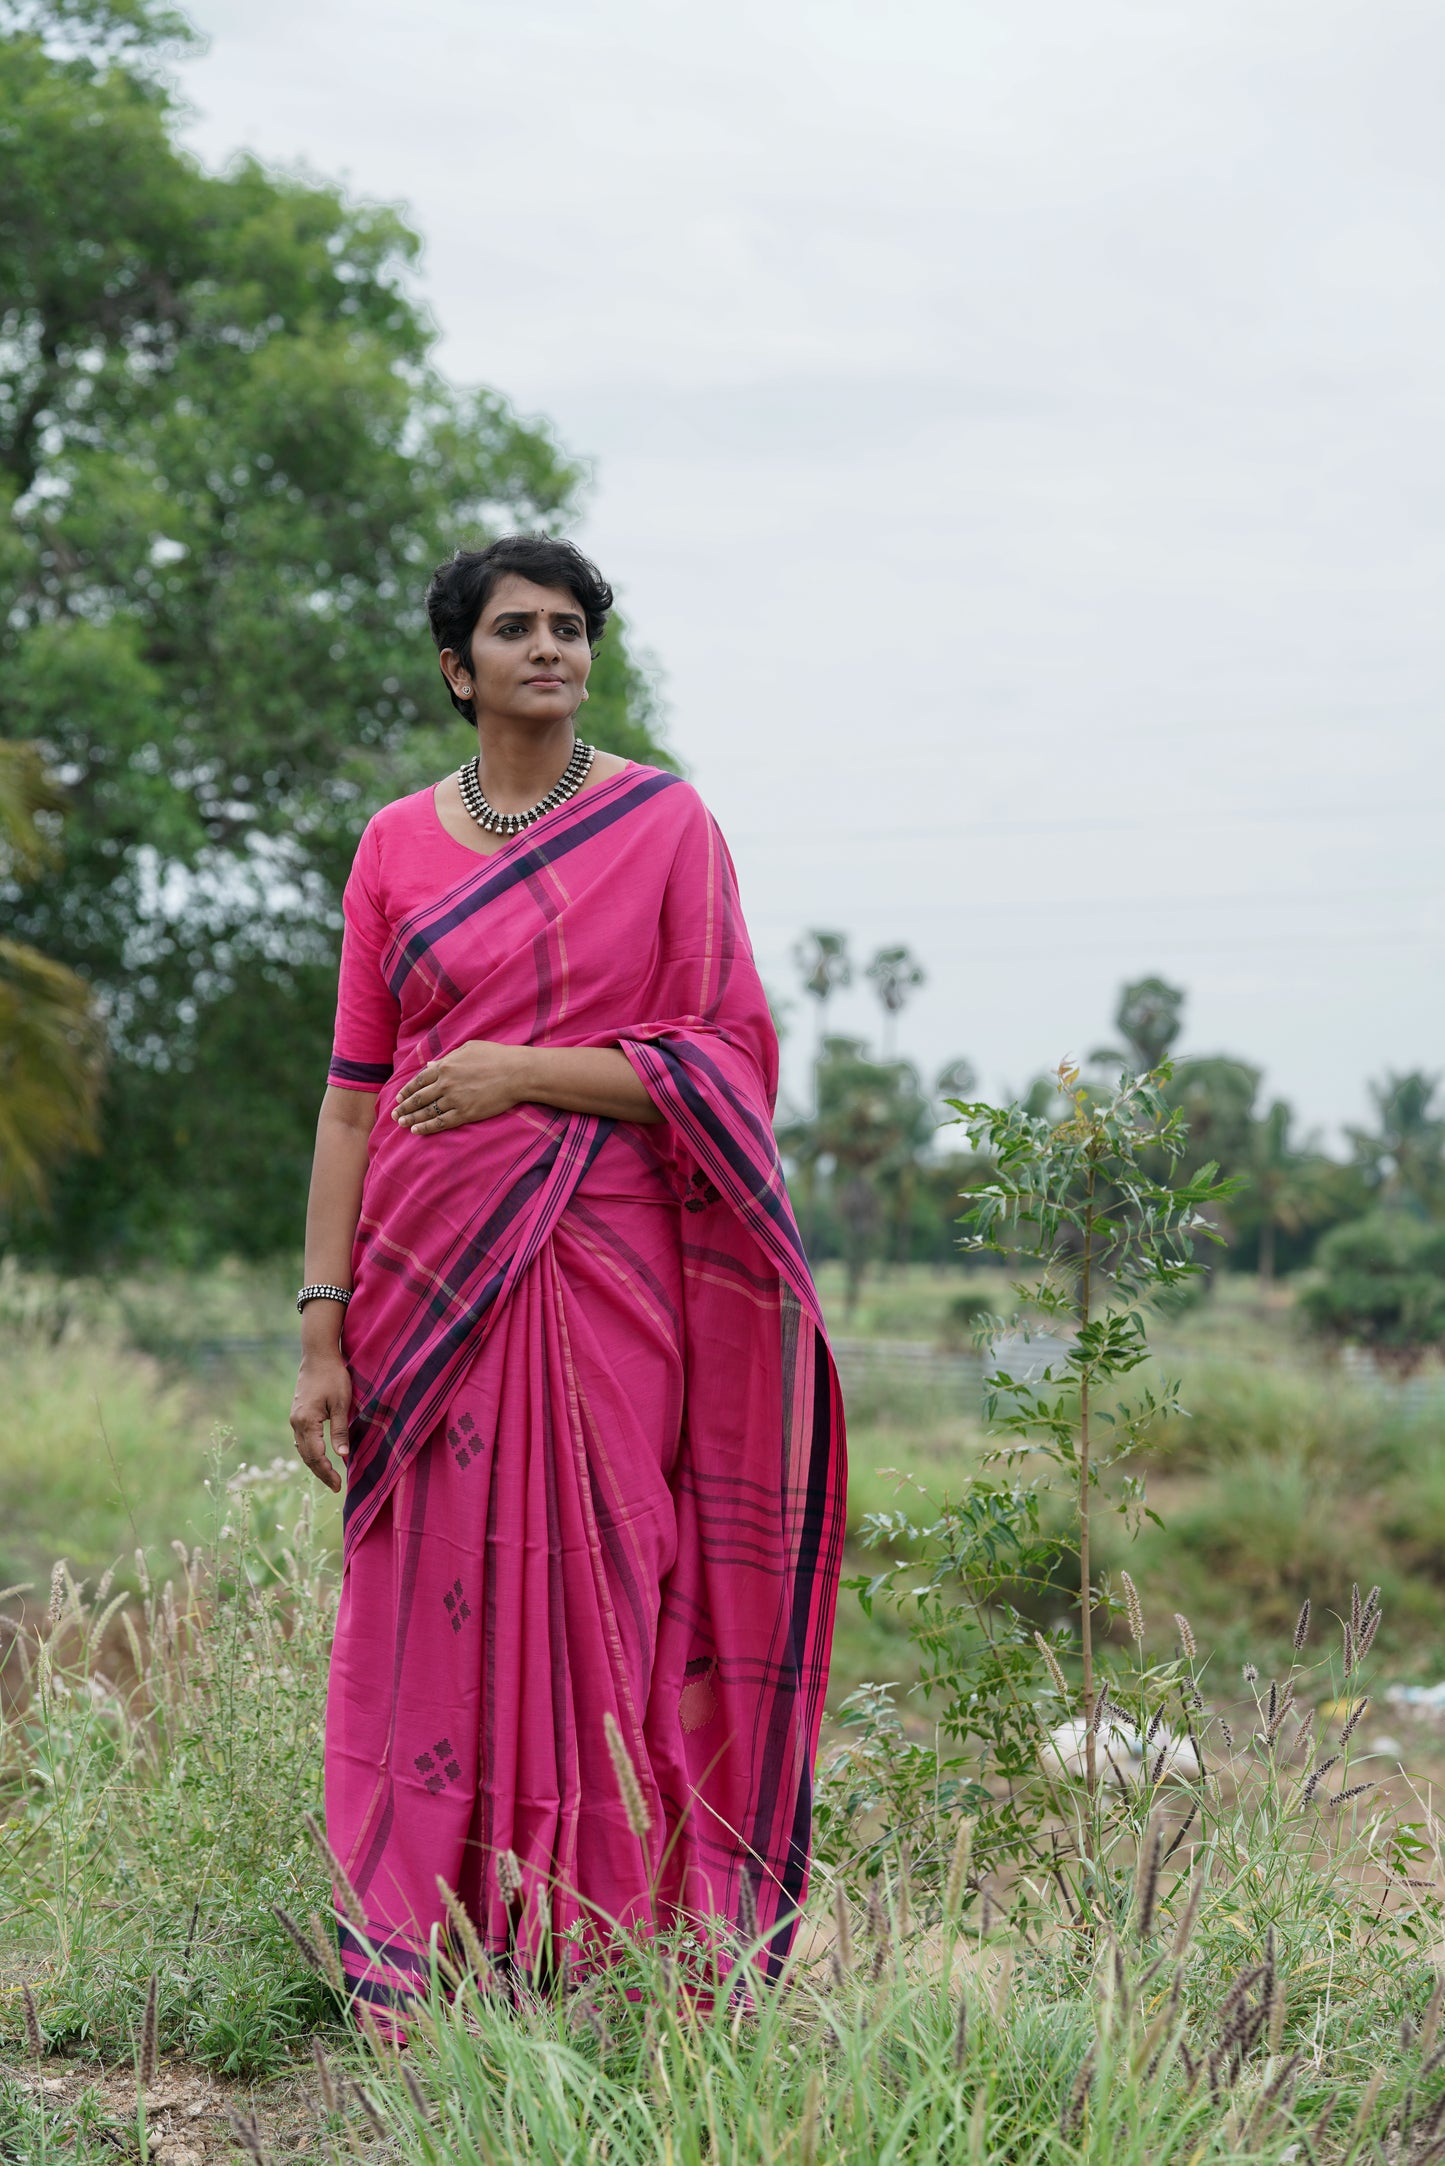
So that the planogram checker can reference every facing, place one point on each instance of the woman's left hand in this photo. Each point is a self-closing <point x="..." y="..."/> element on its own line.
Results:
<point x="473" y="1082"/>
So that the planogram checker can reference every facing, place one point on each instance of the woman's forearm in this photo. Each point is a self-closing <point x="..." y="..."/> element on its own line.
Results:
<point x="584" y="1079"/>
<point x="334" y="1205"/>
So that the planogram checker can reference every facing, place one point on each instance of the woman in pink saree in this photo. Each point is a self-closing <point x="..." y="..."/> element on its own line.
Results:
<point x="561" y="1327"/>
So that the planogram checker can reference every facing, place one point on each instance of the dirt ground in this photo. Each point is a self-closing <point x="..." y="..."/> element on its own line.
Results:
<point x="91" y="2114"/>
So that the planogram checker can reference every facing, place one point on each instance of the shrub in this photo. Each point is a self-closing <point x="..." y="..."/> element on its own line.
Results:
<point x="1381" y="1285"/>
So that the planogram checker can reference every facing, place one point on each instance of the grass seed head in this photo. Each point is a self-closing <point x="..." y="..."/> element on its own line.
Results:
<point x="809" y="2127"/>
<point x="956" y="1885"/>
<point x="509" y="1879"/>
<point x="300" y="1940"/>
<point x="1146" y="1883"/>
<point x="1186" y="1637"/>
<point x="902" y="1903"/>
<point x="1133" y="1609"/>
<point x="1051" y="1664"/>
<point x="1251" y="1674"/>
<point x="1352" y="1721"/>
<point x="348" y="1901"/>
<point x="1366" y="2107"/>
<point x="55" y="1608"/>
<point x="844" y="1943"/>
<point x="1430" y="2022"/>
<point x="634" y="1804"/>
<point x="1357" y="1611"/>
<point x="1318" y="1777"/>
<point x="34" y="2036"/>
<point x="1184" y="1931"/>
<point x="1071" y="2119"/>
<point x="468" y="1939"/>
<point x="1344" y="1797"/>
<point x="142" y="1574"/>
<point x="747" y="1907"/>
<point x="247" y="2131"/>
<point x="364" y="2101"/>
<point x="420" y="2103"/>
<point x="1302" y="1626"/>
<point x="323" y="1940"/>
<point x="329" y="2101"/>
<point x="148" y="2059"/>
<point x="960" y="2033"/>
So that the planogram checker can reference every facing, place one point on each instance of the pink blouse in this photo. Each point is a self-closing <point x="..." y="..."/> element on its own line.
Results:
<point x="405" y="860"/>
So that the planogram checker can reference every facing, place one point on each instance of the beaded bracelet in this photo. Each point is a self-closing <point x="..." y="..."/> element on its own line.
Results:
<point x="322" y="1293"/>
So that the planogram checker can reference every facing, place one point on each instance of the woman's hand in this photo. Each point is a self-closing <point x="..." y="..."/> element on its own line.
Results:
<point x="323" y="1394"/>
<point x="474" y="1082"/>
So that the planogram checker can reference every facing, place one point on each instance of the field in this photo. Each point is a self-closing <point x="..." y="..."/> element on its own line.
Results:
<point x="159" y="1758"/>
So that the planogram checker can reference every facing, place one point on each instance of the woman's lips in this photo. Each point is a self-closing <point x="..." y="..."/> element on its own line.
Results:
<point x="545" y="682"/>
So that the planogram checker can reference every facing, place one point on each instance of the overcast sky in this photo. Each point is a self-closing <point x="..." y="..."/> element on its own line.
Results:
<point x="1019" y="435"/>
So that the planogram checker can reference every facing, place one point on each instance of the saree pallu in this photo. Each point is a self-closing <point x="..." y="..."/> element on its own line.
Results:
<point x="597" y="1452"/>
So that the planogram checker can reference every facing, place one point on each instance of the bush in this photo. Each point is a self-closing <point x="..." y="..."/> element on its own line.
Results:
<point x="1381" y="1285"/>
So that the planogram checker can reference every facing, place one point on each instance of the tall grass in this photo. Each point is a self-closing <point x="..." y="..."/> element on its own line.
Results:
<point x="1247" y="1965"/>
<point x="157" y="1755"/>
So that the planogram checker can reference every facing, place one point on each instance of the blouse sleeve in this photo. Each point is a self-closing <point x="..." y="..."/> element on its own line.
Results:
<point x="367" y="1011"/>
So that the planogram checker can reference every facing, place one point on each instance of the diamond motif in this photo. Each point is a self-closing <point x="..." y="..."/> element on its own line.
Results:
<point x="456" y="1606"/>
<point x="436" y="1778"/>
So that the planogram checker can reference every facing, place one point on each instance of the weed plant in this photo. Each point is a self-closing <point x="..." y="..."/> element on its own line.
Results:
<point x="157" y="1757"/>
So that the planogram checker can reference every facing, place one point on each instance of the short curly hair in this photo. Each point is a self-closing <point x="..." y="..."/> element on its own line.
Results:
<point x="459" y="590"/>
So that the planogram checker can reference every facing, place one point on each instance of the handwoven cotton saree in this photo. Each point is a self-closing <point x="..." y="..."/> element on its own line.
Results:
<point x="597" y="1458"/>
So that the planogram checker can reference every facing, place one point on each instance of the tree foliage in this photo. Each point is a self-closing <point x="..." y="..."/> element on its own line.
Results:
<point x="50" y="1030"/>
<point x="1381" y="1286"/>
<point x="227" y="465"/>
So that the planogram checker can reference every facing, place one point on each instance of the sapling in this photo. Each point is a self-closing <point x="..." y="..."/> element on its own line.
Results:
<point x="1091" y="1213"/>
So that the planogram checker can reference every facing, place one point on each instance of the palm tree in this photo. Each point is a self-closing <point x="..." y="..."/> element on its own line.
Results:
<point x="825" y="967"/>
<point x="1404" y="1159"/>
<point x="1286" y="1183"/>
<point x="51" y="1036"/>
<point x="1149" y="1018"/>
<point x="894" y="974"/>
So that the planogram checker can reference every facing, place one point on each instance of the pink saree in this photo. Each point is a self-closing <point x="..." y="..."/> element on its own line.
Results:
<point x="597" y="1457"/>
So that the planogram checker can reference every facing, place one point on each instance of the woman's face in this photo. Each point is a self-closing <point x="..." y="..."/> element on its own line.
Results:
<point x="529" y="658"/>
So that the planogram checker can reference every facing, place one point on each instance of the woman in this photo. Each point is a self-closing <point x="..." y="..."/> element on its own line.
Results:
<point x="559" y="1322"/>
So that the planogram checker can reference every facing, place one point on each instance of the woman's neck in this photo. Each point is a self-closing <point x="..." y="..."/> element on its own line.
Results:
<point x="519" y="762"/>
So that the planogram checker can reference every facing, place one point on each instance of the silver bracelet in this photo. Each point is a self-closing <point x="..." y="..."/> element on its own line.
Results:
<point x="322" y="1293"/>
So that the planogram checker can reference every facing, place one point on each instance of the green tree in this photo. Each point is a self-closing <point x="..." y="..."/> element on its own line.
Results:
<point x="1149" y="1018"/>
<point x="824" y="964"/>
<point x="871" y="1127"/>
<point x="1289" y="1187"/>
<point x="50" y="1031"/>
<point x="1403" y="1156"/>
<point x="227" y="464"/>
<point x="1381" y="1286"/>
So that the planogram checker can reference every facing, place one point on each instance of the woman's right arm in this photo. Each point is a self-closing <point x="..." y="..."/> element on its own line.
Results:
<point x="323" y="1389"/>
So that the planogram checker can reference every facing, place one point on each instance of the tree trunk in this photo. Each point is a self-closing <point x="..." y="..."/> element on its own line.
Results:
<point x="1266" y="1256"/>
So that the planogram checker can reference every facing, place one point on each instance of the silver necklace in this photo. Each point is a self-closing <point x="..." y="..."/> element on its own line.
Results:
<point x="568" y="783"/>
